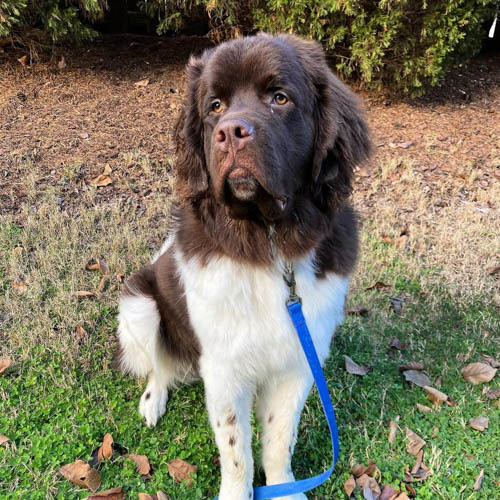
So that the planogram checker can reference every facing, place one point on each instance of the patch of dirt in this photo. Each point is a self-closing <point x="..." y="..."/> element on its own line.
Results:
<point x="71" y="121"/>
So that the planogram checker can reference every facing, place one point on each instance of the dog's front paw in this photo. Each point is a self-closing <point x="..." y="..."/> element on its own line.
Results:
<point x="153" y="405"/>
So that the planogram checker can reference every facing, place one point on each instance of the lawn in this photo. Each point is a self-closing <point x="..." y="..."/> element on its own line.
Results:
<point x="62" y="393"/>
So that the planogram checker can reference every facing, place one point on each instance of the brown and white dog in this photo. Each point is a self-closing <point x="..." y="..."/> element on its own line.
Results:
<point x="267" y="141"/>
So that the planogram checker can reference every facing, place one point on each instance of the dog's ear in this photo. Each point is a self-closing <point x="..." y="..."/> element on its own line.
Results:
<point x="341" y="133"/>
<point x="191" y="170"/>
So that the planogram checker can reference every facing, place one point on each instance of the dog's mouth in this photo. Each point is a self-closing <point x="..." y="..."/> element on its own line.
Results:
<point x="244" y="196"/>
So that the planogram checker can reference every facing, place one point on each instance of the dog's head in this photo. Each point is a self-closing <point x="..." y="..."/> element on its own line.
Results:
<point x="264" y="122"/>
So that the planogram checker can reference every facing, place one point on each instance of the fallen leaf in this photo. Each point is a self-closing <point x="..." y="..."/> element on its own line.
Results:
<point x="387" y="239"/>
<point x="3" y="439"/>
<point x="350" y="486"/>
<point x="120" y="277"/>
<point x="81" y="474"/>
<point x="451" y="402"/>
<point x="102" y="284"/>
<point x="403" y="496"/>
<point x="106" y="449"/>
<point x="435" y="396"/>
<point x="478" y="372"/>
<point x="393" y="429"/>
<point x="491" y="361"/>
<point x="112" y="494"/>
<point x="493" y="393"/>
<point x="388" y="493"/>
<point x="23" y="60"/>
<point x="423" y="408"/>
<point x="479" y="423"/>
<point x="83" y="135"/>
<point x="369" y="486"/>
<point x="438" y="381"/>
<point x="370" y="470"/>
<point x="401" y="241"/>
<point x="84" y="293"/>
<point x="412" y="365"/>
<point x="4" y="364"/>
<point x="379" y="285"/>
<point x="479" y="481"/>
<point x="355" y="369"/>
<point x="358" y="311"/>
<point x="418" y="462"/>
<point x="161" y="496"/>
<point x="62" y="63"/>
<point x="405" y="145"/>
<point x="417" y="377"/>
<point x="19" y="287"/>
<point x="415" y="442"/>
<point x="107" y="169"/>
<point x="81" y="334"/>
<point x="142" y="83"/>
<point x="147" y="496"/>
<point x="493" y="270"/>
<point x="141" y="463"/>
<point x="101" y="180"/>
<point x="179" y="470"/>
<point x="98" y="265"/>
<point x="411" y="490"/>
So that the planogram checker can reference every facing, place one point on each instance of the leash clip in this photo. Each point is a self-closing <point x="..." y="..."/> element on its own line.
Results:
<point x="289" y="277"/>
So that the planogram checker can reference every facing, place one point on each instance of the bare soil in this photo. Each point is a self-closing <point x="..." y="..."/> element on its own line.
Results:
<point x="73" y="117"/>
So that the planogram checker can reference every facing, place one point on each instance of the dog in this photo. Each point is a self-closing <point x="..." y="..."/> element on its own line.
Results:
<point x="267" y="141"/>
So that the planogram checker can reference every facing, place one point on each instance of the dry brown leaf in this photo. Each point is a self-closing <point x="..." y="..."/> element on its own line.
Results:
<point x="147" y="496"/>
<point x="23" y="60"/>
<point x="82" y="474"/>
<point x="350" y="486"/>
<point x="84" y="294"/>
<point x="141" y="463"/>
<point x="423" y="408"/>
<point x="435" y="396"/>
<point x="396" y="344"/>
<point x="19" y="287"/>
<point x="479" y="480"/>
<point x="106" y="449"/>
<point x="393" y="429"/>
<point x="120" y="277"/>
<point x="403" y="496"/>
<point x="3" y="439"/>
<point x="142" y="83"/>
<point x="388" y="493"/>
<point x="379" y="285"/>
<point x="4" y="364"/>
<point x="81" y="333"/>
<point x="358" y="311"/>
<point x="438" y="381"/>
<point x="478" y="373"/>
<point x="493" y="270"/>
<point x="479" y="423"/>
<point x="102" y="284"/>
<point x="417" y="377"/>
<point x="415" y="442"/>
<point x="98" y="265"/>
<point x="179" y="470"/>
<point x="369" y="487"/>
<point x="412" y="365"/>
<point x="92" y="267"/>
<point x="387" y="239"/>
<point x="418" y="462"/>
<point x="161" y="496"/>
<point x="112" y="494"/>
<point x="354" y="369"/>
<point x="101" y="180"/>
<point x="493" y="393"/>
<point x="491" y="361"/>
<point x="107" y="169"/>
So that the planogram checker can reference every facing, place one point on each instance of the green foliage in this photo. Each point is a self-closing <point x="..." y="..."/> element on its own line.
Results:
<point x="59" y="19"/>
<point x="405" y="44"/>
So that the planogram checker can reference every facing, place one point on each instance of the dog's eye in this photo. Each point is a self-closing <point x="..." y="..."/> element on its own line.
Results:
<point x="217" y="106"/>
<point x="280" y="98"/>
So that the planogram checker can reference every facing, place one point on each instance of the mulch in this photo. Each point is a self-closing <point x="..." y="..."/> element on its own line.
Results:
<point x="91" y="105"/>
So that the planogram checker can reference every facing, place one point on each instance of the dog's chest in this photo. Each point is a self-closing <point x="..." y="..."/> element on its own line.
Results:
<point x="239" y="313"/>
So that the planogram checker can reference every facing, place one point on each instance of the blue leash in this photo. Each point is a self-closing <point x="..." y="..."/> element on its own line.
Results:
<point x="294" y="306"/>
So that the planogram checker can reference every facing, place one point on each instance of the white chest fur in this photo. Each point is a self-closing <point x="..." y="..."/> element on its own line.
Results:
<point x="239" y="314"/>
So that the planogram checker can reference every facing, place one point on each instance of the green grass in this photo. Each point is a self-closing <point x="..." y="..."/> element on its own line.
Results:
<point x="62" y="397"/>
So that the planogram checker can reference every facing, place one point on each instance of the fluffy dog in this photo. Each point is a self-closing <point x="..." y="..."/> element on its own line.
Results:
<point x="266" y="144"/>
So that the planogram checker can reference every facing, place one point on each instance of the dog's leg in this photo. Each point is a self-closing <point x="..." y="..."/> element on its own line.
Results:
<point x="230" y="419"/>
<point x="141" y="353"/>
<point x="279" y="407"/>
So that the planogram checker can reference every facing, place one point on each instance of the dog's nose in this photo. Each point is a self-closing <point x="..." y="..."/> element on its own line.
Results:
<point x="235" y="132"/>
